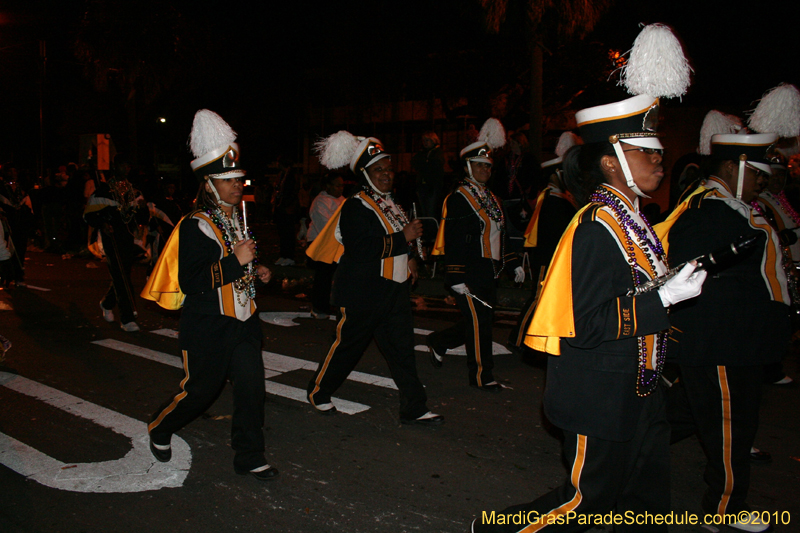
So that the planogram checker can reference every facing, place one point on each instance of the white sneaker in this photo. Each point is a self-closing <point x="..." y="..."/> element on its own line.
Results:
<point x="288" y="262"/>
<point x="108" y="314"/>
<point x="751" y="523"/>
<point x="130" y="327"/>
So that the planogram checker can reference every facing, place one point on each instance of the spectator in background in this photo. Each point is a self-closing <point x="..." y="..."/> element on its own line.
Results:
<point x="286" y="208"/>
<point x="113" y="210"/>
<point x="518" y="170"/>
<point x="17" y="206"/>
<point x="428" y="163"/>
<point x="53" y="207"/>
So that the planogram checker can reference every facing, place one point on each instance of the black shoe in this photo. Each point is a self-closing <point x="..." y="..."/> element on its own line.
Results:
<point x="262" y="473"/>
<point x="161" y="454"/>
<point x="492" y="386"/>
<point x="519" y="351"/>
<point x="759" y="456"/>
<point x="436" y="359"/>
<point x="428" y="419"/>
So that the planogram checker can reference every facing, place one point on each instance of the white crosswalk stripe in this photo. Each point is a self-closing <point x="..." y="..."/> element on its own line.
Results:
<point x="284" y="363"/>
<point x="274" y="365"/>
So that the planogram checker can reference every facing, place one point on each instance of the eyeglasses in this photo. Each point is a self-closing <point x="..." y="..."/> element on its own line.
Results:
<point x="760" y="174"/>
<point x="648" y="151"/>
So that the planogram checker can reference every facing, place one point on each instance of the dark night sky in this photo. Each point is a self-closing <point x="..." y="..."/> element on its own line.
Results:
<point x="267" y="61"/>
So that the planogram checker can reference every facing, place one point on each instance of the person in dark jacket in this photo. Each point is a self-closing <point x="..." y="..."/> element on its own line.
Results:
<point x="472" y="237"/>
<point x="607" y="343"/>
<point x="371" y="238"/>
<point x="220" y="335"/>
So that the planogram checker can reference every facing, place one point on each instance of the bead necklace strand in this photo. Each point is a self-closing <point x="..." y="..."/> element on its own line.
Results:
<point x="398" y="219"/>
<point x="487" y="202"/>
<point x="645" y="384"/>
<point x="787" y="207"/>
<point x="244" y="287"/>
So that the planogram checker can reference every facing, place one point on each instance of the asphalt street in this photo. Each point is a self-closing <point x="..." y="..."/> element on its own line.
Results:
<point x="77" y="391"/>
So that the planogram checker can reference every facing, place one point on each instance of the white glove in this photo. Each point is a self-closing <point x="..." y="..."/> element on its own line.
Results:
<point x="686" y="284"/>
<point x="519" y="275"/>
<point x="461" y="288"/>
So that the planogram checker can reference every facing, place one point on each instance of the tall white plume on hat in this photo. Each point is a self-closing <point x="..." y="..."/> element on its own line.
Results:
<point x="209" y="132"/>
<point x="717" y="123"/>
<point x="656" y="65"/>
<point x="565" y="142"/>
<point x="336" y="151"/>
<point x="493" y="133"/>
<point x="778" y="112"/>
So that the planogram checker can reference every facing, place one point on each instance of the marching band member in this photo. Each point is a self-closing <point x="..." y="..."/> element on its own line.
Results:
<point x="209" y="267"/>
<point x="554" y="209"/>
<point x="472" y="238"/>
<point x="608" y="343"/>
<point x="370" y="237"/>
<point x="741" y="321"/>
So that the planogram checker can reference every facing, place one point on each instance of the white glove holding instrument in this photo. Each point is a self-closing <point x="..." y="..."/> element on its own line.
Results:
<point x="686" y="284"/>
<point x="461" y="288"/>
<point x="519" y="275"/>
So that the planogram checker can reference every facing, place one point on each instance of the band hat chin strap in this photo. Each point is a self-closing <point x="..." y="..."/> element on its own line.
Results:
<point x="216" y="194"/>
<point x="372" y="185"/>
<point x="487" y="160"/>
<point x="740" y="181"/>
<point x="626" y="170"/>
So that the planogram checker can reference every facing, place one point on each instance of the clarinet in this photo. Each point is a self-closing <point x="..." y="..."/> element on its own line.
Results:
<point x="720" y="257"/>
<point x="420" y="251"/>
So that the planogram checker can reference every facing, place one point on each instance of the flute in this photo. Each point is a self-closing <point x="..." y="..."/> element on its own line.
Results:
<point x="718" y="257"/>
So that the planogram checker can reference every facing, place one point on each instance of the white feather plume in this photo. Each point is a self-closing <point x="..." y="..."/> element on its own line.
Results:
<point x="657" y="65"/>
<point x="336" y="151"/>
<point x="716" y="123"/>
<point x="493" y="133"/>
<point x="565" y="142"/>
<point x="778" y="112"/>
<point x="209" y="132"/>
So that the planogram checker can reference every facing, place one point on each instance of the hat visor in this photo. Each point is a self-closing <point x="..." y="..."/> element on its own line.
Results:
<point x="644" y="142"/>
<point x="552" y="162"/>
<point x="763" y="167"/>
<point x="481" y="160"/>
<point x="377" y="158"/>
<point x="236" y="173"/>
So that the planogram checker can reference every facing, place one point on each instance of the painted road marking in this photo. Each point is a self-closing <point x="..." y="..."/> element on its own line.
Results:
<point x="287" y="320"/>
<point x="138" y="471"/>
<point x="274" y="365"/>
<point x="497" y="349"/>
<point x="284" y="363"/>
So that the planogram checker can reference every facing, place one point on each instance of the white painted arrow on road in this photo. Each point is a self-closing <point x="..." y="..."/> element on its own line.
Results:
<point x="138" y="471"/>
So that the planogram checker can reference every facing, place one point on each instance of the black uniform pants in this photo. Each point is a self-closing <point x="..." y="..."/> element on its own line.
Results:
<point x="628" y="478"/>
<point x="474" y="331"/>
<point x="120" y="260"/>
<point x="720" y="404"/>
<point x="215" y="349"/>
<point x="390" y="323"/>
<point x="321" y="289"/>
